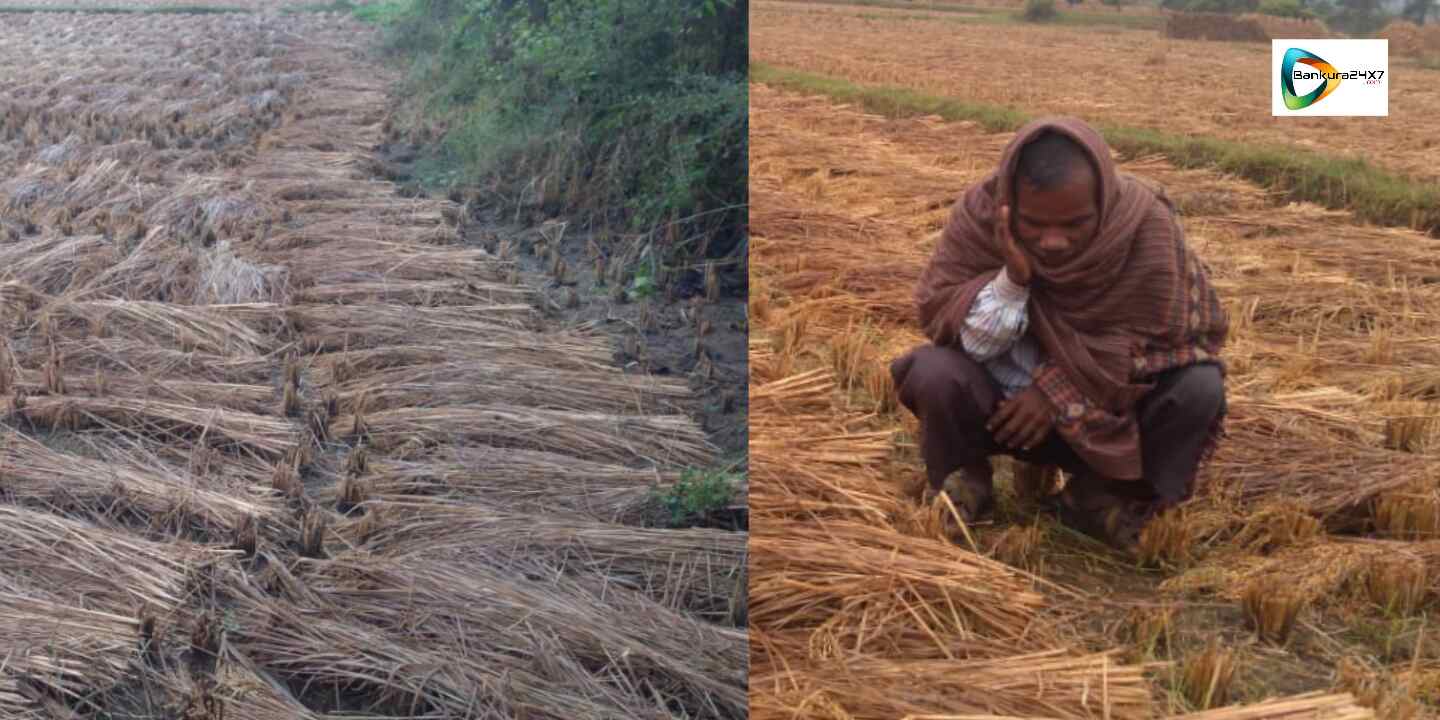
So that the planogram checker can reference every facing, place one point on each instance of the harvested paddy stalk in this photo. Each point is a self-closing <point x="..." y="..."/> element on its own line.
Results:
<point x="520" y="480"/>
<point x="1206" y="677"/>
<point x="55" y="264"/>
<point x="1396" y="584"/>
<point x="1308" y="706"/>
<point x="144" y="359"/>
<point x="105" y="569"/>
<point x="219" y="330"/>
<point x="386" y="260"/>
<point x="564" y="350"/>
<point x="1039" y="685"/>
<point x="1411" y="515"/>
<point x="506" y="380"/>
<point x="126" y="487"/>
<point x="661" y="440"/>
<point x="340" y="327"/>
<point x="682" y="569"/>
<point x="264" y="435"/>
<point x="255" y="399"/>
<point x="318" y="239"/>
<point x="869" y="589"/>
<point x="426" y="293"/>
<point x="1271" y="608"/>
<point x="58" y="654"/>
<point x="572" y="625"/>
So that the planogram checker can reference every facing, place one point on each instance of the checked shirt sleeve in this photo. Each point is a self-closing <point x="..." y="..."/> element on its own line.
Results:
<point x="1070" y="404"/>
<point x="997" y="319"/>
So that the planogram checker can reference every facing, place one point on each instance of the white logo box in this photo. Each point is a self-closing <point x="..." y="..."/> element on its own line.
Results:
<point x="1364" y="85"/>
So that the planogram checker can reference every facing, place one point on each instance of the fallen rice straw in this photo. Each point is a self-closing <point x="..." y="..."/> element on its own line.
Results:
<point x="653" y="439"/>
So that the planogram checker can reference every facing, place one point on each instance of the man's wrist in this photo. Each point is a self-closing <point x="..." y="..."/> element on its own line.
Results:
<point x="1008" y="290"/>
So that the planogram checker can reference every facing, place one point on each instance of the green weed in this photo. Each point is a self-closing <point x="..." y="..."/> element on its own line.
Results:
<point x="697" y="494"/>
<point x="1299" y="174"/>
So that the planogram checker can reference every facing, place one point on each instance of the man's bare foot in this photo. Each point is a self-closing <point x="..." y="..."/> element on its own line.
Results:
<point x="1114" y="520"/>
<point x="973" y="497"/>
<point x="1033" y="483"/>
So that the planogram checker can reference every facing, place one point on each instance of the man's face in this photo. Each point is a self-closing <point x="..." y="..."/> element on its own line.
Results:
<point x="1056" y="225"/>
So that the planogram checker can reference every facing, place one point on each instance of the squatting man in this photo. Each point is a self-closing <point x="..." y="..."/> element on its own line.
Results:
<point x="1071" y="327"/>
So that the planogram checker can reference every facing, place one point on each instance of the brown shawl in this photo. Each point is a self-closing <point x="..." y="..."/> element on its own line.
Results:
<point x="1133" y="303"/>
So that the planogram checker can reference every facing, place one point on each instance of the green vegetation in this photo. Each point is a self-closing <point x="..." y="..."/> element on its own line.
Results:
<point x="630" y="116"/>
<point x="1357" y="17"/>
<point x="697" y="494"/>
<point x="1212" y="6"/>
<point x="381" y="13"/>
<point x="1039" y="11"/>
<point x="1336" y="182"/>
<point x="1285" y="8"/>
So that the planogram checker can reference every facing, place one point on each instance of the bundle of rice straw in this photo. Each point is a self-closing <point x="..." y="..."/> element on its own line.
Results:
<point x="266" y="436"/>
<point x="55" y="264"/>
<point x="211" y="206"/>
<point x="153" y="494"/>
<point x="1285" y="454"/>
<point x="651" y="439"/>
<point x="503" y="380"/>
<point x="340" y="327"/>
<point x="98" y="568"/>
<point x="872" y="589"/>
<point x="217" y="329"/>
<point x="362" y="290"/>
<point x="155" y="269"/>
<point x="57" y="651"/>
<point x="255" y="399"/>
<point x="807" y="460"/>
<point x="390" y="260"/>
<point x="1052" y="685"/>
<point x="683" y="569"/>
<point x="145" y="359"/>
<point x="405" y="223"/>
<point x="558" y="350"/>
<point x="520" y="480"/>
<point x="16" y="302"/>
<point x="491" y="640"/>
<point x="226" y="279"/>
<point x="1309" y="706"/>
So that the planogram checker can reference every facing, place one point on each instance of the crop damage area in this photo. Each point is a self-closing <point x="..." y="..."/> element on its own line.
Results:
<point x="278" y="442"/>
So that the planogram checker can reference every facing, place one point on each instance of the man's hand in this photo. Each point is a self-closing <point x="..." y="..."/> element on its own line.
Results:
<point x="1017" y="263"/>
<point x="1022" y="422"/>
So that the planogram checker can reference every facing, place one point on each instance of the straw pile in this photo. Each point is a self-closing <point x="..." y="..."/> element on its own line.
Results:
<point x="654" y="440"/>
<point x="150" y="495"/>
<point x="1285" y="27"/>
<point x="1407" y="38"/>
<point x="457" y="383"/>
<point x="1214" y="26"/>
<point x="1310" y="706"/>
<point x="520" y="480"/>
<point x="220" y="328"/>
<point x="692" y="569"/>
<point x="863" y="604"/>
<point x="462" y="622"/>
<point x="328" y="328"/>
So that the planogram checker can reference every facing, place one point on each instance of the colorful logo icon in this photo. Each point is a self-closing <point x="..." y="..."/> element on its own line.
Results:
<point x="1287" y="78"/>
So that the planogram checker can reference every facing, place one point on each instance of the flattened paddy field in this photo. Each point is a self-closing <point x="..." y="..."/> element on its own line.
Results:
<point x="280" y="443"/>
<point x="1300" y="581"/>
<point x="1131" y="78"/>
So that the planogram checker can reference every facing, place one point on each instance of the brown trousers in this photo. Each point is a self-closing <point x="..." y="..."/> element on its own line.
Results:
<point x="954" y="396"/>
